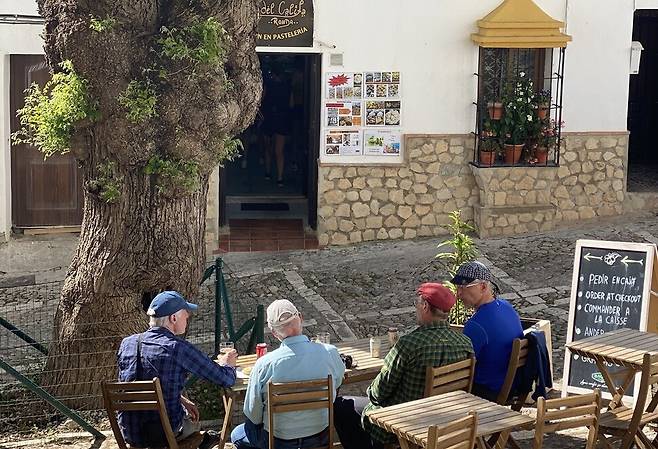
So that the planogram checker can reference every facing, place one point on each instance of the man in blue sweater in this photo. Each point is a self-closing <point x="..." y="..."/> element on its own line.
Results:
<point x="492" y="328"/>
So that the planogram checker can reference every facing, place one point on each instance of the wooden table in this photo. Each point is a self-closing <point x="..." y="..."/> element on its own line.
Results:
<point x="624" y="347"/>
<point x="366" y="368"/>
<point x="410" y="421"/>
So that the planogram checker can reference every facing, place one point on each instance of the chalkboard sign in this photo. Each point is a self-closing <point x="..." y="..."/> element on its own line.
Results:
<point x="285" y="23"/>
<point x="610" y="290"/>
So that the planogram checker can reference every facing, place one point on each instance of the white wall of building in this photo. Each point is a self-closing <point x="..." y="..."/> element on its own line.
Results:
<point x="14" y="39"/>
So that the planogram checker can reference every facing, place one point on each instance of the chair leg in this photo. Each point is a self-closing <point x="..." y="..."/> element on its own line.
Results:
<point x="228" y="415"/>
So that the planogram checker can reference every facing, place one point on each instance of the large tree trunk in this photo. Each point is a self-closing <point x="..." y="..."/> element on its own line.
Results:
<point x="151" y="238"/>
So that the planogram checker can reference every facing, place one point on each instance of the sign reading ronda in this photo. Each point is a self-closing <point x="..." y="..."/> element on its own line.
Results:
<point x="285" y="23"/>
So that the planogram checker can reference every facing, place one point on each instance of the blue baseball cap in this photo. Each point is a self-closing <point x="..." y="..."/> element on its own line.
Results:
<point x="167" y="303"/>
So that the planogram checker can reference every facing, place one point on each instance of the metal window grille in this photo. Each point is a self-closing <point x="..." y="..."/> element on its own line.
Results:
<point x="499" y="71"/>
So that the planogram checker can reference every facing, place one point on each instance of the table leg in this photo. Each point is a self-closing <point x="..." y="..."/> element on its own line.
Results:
<point x="227" y="399"/>
<point x="617" y="392"/>
<point x="481" y="443"/>
<point x="405" y="444"/>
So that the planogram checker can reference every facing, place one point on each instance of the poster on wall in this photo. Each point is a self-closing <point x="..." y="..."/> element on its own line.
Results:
<point x="343" y="114"/>
<point x="285" y="23"/>
<point x="382" y="142"/>
<point x="383" y="113"/>
<point x="344" y="85"/>
<point x="343" y="143"/>
<point x="382" y="84"/>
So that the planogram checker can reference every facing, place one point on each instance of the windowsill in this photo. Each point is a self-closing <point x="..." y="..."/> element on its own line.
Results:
<point x="519" y="165"/>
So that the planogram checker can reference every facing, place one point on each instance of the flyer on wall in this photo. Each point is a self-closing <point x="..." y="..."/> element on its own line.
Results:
<point x="383" y="113"/>
<point x="382" y="84"/>
<point x="343" y="114"/>
<point x="344" y="85"/>
<point x="382" y="142"/>
<point x="342" y="142"/>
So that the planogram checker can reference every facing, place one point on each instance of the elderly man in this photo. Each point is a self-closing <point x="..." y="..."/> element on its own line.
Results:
<point x="159" y="352"/>
<point x="296" y="359"/>
<point x="402" y="378"/>
<point x="492" y="328"/>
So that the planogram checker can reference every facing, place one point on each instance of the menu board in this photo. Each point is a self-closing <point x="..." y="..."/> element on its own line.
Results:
<point x="343" y="114"/>
<point x="343" y="143"/>
<point x="382" y="142"/>
<point x="610" y="290"/>
<point x="285" y="23"/>
<point x="382" y="84"/>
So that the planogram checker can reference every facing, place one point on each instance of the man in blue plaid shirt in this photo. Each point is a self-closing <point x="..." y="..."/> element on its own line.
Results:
<point x="159" y="352"/>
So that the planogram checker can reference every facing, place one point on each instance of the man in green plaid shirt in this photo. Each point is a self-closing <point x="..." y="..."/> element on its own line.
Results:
<point x="402" y="378"/>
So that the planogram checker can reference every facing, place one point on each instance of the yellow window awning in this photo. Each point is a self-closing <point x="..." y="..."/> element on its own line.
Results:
<point x="520" y="24"/>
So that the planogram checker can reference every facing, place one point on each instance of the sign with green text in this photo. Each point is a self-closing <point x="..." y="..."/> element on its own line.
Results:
<point x="285" y="23"/>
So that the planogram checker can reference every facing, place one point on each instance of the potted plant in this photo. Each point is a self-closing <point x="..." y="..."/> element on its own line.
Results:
<point x="495" y="109"/>
<point x="489" y="144"/>
<point x="519" y="116"/>
<point x="548" y="140"/>
<point x="543" y="100"/>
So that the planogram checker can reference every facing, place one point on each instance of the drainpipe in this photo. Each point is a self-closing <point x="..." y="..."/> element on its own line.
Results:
<point x="20" y="19"/>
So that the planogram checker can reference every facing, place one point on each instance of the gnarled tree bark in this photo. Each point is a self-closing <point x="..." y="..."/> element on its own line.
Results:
<point x="149" y="239"/>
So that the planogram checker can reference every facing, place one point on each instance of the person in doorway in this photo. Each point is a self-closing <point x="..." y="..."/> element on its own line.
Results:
<point x="277" y="123"/>
<point x="160" y="352"/>
<point x="492" y="328"/>
<point x="296" y="359"/>
<point x="402" y="378"/>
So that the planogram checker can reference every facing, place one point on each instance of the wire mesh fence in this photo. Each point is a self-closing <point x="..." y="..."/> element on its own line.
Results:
<point x="27" y="333"/>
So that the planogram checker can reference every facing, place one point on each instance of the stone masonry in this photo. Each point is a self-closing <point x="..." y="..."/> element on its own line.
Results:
<point x="391" y="202"/>
<point x="361" y="203"/>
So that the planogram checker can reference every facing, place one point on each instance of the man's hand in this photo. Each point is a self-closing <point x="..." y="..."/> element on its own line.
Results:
<point x="191" y="408"/>
<point x="228" y="358"/>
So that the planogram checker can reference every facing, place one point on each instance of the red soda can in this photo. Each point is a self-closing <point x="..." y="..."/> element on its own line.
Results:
<point x="261" y="350"/>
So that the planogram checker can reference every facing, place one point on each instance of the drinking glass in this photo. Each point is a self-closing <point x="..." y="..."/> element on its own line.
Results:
<point x="226" y="346"/>
<point x="323" y="337"/>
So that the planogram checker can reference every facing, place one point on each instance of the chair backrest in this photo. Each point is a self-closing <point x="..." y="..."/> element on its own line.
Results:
<point x="517" y="359"/>
<point x="134" y="396"/>
<point x="453" y="377"/>
<point x="298" y="397"/>
<point x="568" y="413"/>
<point x="458" y="434"/>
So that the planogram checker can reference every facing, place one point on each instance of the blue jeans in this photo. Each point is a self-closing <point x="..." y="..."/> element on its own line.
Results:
<point x="254" y="436"/>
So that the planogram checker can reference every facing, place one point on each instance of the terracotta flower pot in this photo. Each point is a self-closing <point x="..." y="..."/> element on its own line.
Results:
<point x="542" y="155"/>
<point x="513" y="153"/>
<point x="542" y="112"/>
<point x="487" y="158"/>
<point x="495" y="110"/>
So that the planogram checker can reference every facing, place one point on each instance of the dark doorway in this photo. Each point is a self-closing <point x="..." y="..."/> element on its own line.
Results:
<point x="43" y="192"/>
<point x="643" y="107"/>
<point x="276" y="177"/>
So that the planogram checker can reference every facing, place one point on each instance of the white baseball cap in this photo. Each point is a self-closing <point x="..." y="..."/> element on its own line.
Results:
<point x="281" y="312"/>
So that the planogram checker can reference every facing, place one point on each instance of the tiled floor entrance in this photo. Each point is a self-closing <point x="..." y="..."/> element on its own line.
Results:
<point x="266" y="235"/>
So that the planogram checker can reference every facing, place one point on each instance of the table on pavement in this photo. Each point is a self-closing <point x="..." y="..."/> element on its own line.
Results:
<point x="410" y="421"/>
<point x="623" y="347"/>
<point x="364" y="368"/>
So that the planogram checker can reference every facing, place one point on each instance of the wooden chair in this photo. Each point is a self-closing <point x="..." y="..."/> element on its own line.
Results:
<point x="459" y="434"/>
<point x="625" y="424"/>
<point x="518" y="358"/>
<point x="143" y="395"/>
<point x="299" y="397"/>
<point x="568" y="413"/>
<point x="453" y="377"/>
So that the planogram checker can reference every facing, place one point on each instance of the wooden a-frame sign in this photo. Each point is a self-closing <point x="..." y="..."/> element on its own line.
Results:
<point x="614" y="285"/>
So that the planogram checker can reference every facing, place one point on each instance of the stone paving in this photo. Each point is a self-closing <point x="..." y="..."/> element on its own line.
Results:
<point x="359" y="291"/>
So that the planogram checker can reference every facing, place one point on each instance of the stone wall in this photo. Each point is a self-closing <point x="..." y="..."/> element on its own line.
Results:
<point x="357" y="203"/>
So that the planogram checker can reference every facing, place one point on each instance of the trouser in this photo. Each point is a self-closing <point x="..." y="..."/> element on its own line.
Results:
<point x="484" y="392"/>
<point x="347" y="420"/>
<point x="254" y="436"/>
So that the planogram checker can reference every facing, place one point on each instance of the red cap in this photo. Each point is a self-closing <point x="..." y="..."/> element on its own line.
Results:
<point x="438" y="295"/>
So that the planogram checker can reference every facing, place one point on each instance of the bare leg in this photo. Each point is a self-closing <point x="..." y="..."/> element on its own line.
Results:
<point x="267" y="144"/>
<point x="279" y="145"/>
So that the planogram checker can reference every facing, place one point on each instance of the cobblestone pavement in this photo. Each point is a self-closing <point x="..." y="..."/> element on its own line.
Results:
<point x="359" y="291"/>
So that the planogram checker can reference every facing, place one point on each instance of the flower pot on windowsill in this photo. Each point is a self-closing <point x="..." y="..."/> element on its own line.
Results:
<point x="487" y="158"/>
<point x="513" y="153"/>
<point x="542" y="155"/>
<point x="495" y="109"/>
<point x="542" y="112"/>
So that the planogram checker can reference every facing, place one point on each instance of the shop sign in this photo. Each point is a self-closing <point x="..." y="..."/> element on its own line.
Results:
<point x="285" y="23"/>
